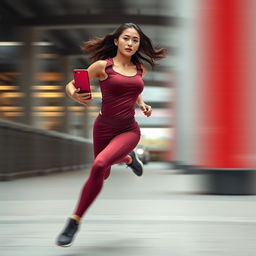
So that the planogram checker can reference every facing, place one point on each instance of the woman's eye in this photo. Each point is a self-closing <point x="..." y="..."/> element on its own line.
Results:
<point x="134" y="40"/>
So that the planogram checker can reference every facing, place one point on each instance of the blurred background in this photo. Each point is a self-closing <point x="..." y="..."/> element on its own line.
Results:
<point x="40" y="46"/>
<point x="197" y="194"/>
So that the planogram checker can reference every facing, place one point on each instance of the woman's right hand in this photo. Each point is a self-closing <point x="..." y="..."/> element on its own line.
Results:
<point x="81" y="98"/>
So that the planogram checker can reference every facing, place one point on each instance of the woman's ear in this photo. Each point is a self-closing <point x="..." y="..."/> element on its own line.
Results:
<point x="115" y="41"/>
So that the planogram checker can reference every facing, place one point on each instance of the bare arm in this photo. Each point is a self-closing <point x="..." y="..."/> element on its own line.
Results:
<point x="147" y="110"/>
<point x="140" y="100"/>
<point x="70" y="88"/>
<point x="95" y="70"/>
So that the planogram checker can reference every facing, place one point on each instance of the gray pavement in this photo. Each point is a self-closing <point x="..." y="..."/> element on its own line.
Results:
<point x="161" y="213"/>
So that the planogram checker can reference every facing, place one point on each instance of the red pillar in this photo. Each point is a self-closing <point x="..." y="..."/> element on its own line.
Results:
<point x="226" y="82"/>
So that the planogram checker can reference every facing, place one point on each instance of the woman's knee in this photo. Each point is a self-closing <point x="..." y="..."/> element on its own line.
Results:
<point x="98" y="168"/>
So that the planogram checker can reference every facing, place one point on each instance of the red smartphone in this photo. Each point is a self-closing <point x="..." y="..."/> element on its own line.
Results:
<point x="81" y="79"/>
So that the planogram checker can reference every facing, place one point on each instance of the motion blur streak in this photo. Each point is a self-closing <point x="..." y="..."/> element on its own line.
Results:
<point x="226" y="84"/>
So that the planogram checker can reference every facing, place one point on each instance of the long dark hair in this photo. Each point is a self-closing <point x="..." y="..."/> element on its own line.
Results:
<point x="104" y="47"/>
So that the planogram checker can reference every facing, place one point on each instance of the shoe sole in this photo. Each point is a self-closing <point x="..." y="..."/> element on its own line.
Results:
<point x="64" y="245"/>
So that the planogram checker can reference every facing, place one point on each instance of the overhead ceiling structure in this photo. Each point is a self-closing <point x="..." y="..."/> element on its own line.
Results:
<point x="67" y="23"/>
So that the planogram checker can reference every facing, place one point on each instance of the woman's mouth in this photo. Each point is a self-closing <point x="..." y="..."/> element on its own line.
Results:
<point x="128" y="49"/>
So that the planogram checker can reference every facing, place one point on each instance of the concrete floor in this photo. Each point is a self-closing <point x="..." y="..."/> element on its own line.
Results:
<point x="162" y="213"/>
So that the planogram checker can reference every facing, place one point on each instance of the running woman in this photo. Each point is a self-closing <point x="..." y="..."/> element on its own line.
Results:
<point x="117" y="64"/>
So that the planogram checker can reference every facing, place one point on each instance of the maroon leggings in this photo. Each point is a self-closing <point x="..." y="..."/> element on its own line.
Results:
<point x="113" y="140"/>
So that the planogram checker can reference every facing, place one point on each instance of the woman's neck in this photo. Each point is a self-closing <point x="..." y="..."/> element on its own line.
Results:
<point x="122" y="60"/>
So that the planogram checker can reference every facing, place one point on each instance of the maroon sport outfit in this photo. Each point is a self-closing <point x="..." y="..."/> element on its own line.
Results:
<point x="115" y="131"/>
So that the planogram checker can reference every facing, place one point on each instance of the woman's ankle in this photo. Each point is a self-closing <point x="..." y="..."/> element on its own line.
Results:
<point x="76" y="217"/>
<point x="130" y="160"/>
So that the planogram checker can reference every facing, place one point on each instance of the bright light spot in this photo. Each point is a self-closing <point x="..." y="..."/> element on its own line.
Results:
<point x="140" y="151"/>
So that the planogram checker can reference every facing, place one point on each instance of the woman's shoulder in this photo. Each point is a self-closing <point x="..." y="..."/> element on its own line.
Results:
<point x="100" y="63"/>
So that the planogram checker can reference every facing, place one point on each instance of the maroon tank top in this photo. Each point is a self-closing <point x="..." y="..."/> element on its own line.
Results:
<point x="120" y="92"/>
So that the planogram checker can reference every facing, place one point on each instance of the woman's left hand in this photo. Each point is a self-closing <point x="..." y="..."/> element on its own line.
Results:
<point x="147" y="110"/>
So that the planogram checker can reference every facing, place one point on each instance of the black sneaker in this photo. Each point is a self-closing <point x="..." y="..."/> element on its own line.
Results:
<point x="136" y="165"/>
<point x="66" y="237"/>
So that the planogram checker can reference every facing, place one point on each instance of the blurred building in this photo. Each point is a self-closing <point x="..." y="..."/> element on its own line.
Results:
<point x="40" y="46"/>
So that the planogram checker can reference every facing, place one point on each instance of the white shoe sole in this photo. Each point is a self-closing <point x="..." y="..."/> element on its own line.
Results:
<point x="64" y="245"/>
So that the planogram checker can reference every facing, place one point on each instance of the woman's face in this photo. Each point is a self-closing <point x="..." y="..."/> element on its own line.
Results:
<point x="128" y="42"/>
